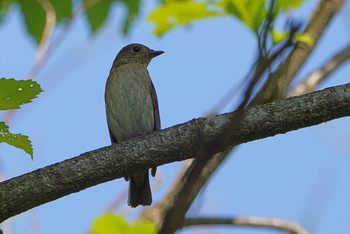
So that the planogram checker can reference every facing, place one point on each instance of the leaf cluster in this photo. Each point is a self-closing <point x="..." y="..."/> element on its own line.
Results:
<point x="34" y="13"/>
<point x="174" y="13"/>
<point x="13" y="94"/>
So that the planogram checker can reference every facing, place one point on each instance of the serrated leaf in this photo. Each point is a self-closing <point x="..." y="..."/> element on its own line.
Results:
<point x="17" y="140"/>
<point x="14" y="93"/>
<point x="63" y="9"/>
<point x="34" y="18"/>
<point x="174" y="14"/>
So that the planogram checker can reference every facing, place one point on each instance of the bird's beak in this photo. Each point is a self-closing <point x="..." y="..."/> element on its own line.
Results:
<point x="155" y="53"/>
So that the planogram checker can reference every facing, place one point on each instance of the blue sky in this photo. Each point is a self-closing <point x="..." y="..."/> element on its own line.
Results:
<point x="301" y="176"/>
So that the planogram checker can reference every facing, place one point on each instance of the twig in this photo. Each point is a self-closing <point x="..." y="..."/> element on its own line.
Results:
<point x="173" y="144"/>
<point x="192" y="180"/>
<point x="50" y="23"/>
<point x="316" y="77"/>
<point x="157" y="212"/>
<point x="250" y="221"/>
<point x="279" y="81"/>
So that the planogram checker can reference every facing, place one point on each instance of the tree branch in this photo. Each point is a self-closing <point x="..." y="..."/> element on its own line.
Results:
<point x="173" y="144"/>
<point x="315" y="78"/>
<point x="279" y="81"/>
<point x="278" y="224"/>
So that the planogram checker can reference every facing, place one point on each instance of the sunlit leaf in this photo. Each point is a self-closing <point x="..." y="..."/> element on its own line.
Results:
<point x="110" y="224"/>
<point x="16" y="140"/>
<point x="14" y="93"/>
<point x="249" y="12"/>
<point x="34" y="18"/>
<point x="286" y="5"/>
<point x="306" y="38"/>
<point x="176" y="13"/>
<point x="279" y="36"/>
<point x="145" y="228"/>
<point x="115" y="224"/>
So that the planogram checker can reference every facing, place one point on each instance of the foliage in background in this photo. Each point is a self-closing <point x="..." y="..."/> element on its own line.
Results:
<point x="116" y="224"/>
<point x="97" y="14"/>
<point x="251" y="13"/>
<point x="14" y="93"/>
<point x="34" y="13"/>
<point x="169" y="15"/>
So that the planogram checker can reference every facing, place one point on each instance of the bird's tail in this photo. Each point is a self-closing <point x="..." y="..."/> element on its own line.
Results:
<point x="139" y="190"/>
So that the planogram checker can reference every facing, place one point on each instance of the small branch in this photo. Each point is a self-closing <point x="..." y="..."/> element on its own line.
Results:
<point x="173" y="144"/>
<point x="251" y="221"/>
<point x="315" y="78"/>
<point x="50" y="23"/>
<point x="206" y="161"/>
<point x="276" y="86"/>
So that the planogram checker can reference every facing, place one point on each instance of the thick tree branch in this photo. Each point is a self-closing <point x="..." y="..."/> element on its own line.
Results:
<point x="173" y="144"/>
<point x="278" y="224"/>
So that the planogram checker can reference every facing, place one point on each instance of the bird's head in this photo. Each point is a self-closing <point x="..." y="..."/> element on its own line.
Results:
<point x="136" y="53"/>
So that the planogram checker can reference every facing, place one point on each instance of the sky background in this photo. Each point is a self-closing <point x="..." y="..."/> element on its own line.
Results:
<point x="301" y="176"/>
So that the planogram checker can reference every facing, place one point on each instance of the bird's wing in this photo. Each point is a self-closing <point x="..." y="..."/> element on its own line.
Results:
<point x="155" y="108"/>
<point x="156" y="117"/>
<point x="113" y="138"/>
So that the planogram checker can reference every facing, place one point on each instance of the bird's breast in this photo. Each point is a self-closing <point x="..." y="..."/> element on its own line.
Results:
<point x="129" y="106"/>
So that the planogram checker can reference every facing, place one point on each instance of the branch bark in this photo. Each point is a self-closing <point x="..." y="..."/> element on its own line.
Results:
<point x="173" y="144"/>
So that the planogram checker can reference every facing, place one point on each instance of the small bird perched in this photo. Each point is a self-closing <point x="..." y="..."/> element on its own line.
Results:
<point x="132" y="109"/>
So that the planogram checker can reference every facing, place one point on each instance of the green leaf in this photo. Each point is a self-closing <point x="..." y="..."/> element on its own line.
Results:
<point x="14" y="93"/>
<point x="34" y="18"/>
<point x="98" y="13"/>
<point x="145" y="227"/>
<point x="286" y="5"/>
<point x="110" y="224"/>
<point x="306" y="38"/>
<point x="250" y="12"/>
<point x="4" y="7"/>
<point x="115" y="224"/>
<point x="176" y="13"/>
<point x="133" y="10"/>
<point x="16" y="140"/>
<point x="278" y="36"/>
<point x="63" y="9"/>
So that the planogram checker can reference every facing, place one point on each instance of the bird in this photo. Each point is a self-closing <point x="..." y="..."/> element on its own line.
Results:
<point x="132" y="109"/>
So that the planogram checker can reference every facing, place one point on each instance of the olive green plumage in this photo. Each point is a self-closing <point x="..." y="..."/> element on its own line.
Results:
<point x="132" y="109"/>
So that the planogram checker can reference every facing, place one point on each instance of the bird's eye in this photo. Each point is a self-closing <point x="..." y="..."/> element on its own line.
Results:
<point x="136" y="49"/>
